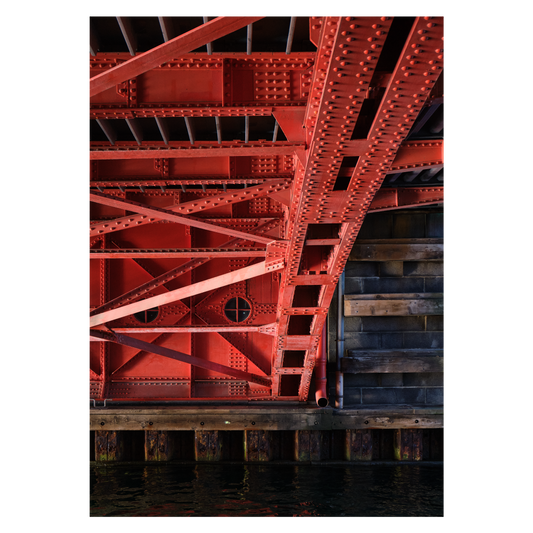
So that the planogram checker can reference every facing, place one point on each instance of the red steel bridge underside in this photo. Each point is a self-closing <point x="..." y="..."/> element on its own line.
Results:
<point x="233" y="162"/>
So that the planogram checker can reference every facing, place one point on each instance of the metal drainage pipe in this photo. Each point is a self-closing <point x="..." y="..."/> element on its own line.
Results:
<point x="321" y="395"/>
<point x="339" y="377"/>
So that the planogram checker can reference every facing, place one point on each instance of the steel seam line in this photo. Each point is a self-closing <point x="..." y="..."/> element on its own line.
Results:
<point x="210" y="253"/>
<point x="208" y="32"/>
<point x="178" y="149"/>
<point x="185" y="292"/>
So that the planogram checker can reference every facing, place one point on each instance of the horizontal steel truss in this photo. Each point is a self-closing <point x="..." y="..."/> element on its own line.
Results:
<point x="158" y="213"/>
<point x="200" y="287"/>
<point x="384" y="199"/>
<point x="267" y="329"/>
<point x="115" y="112"/>
<point x="211" y="253"/>
<point x="182" y="44"/>
<point x="172" y="274"/>
<point x="186" y="208"/>
<point x="230" y="81"/>
<point x="338" y="88"/>
<point x="184" y="149"/>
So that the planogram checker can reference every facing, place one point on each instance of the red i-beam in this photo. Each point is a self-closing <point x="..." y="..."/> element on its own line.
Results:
<point x="339" y="87"/>
<point x="206" y="33"/>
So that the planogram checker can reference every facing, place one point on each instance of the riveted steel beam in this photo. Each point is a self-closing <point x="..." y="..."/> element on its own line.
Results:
<point x="164" y="214"/>
<point x="200" y="287"/>
<point x="171" y="274"/>
<point x="182" y="44"/>
<point x="340" y="84"/>
<point x="403" y="197"/>
<point x="181" y="149"/>
<point x="255" y="81"/>
<point x="210" y="253"/>
<point x="208" y="328"/>
<point x="194" y="206"/>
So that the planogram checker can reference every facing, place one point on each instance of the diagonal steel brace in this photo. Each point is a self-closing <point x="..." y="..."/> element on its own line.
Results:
<point x="165" y="214"/>
<point x="178" y="356"/>
<point x="185" y="292"/>
<point x="214" y="29"/>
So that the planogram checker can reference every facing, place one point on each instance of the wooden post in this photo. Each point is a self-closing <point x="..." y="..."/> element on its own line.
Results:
<point x="408" y="445"/>
<point x="158" y="446"/>
<point x="257" y="445"/>
<point x="207" y="446"/>
<point x="308" y="445"/>
<point x="358" y="445"/>
<point x="109" y="446"/>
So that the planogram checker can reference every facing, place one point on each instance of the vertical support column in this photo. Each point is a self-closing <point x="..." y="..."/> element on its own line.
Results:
<point x="408" y="445"/>
<point x="358" y="445"/>
<point x="109" y="446"/>
<point x="257" y="445"/>
<point x="207" y="446"/>
<point x="339" y="376"/>
<point x="158" y="446"/>
<point x="308" y="445"/>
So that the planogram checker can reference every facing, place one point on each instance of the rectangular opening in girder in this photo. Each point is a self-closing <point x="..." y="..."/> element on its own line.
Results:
<point x="306" y="296"/>
<point x="345" y="173"/>
<point x="322" y="231"/>
<point x="366" y="117"/>
<point x="300" y="325"/>
<point x="293" y="358"/>
<point x="289" y="385"/>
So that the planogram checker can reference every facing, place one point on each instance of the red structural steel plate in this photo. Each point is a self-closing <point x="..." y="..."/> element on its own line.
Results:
<point x="185" y="287"/>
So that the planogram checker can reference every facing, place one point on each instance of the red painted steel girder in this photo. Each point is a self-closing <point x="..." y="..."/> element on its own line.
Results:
<point x="418" y="155"/>
<point x="333" y="107"/>
<point x="421" y="62"/>
<point x="267" y="329"/>
<point x="117" y="112"/>
<point x="164" y="214"/>
<point x="171" y="274"/>
<point x="210" y="253"/>
<point x="403" y="197"/>
<point x="180" y="45"/>
<point x="184" y="149"/>
<point x="194" y="206"/>
<point x="197" y="80"/>
<point x="200" y="287"/>
<point x="338" y="210"/>
<point x="150" y="182"/>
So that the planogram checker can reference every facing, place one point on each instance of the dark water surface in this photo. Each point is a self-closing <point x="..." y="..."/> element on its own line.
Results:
<point x="266" y="490"/>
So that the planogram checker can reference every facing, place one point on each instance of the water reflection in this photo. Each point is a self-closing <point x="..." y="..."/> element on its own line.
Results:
<point x="266" y="490"/>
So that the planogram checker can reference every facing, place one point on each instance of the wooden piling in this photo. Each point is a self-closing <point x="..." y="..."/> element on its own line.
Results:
<point x="109" y="446"/>
<point x="257" y="445"/>
<point x="408" y="445"/>
<point x="207" y="446"/>
<point x="308" y="445"/>
<point x="353" y="445"/>
<point x="359" y="445"/>
<point x="158" y="446"/>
